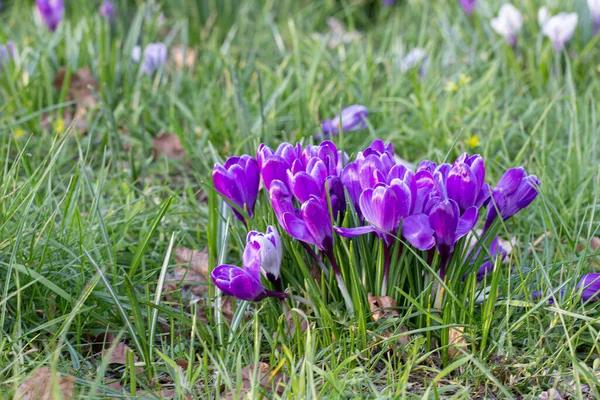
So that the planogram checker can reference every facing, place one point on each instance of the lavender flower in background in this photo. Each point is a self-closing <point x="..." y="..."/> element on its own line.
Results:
<point x="352" y="118"/>
<point x="51" y="12"/>
<point x="508" y="23"/>
<point x="153" y="56"/>
<point x="514" y="191"/>
<point x="7" y="51"/>
<point x="238" y="181"/>
<point x="388" y="3"/>
<point x="262" y="253"/>
<point x="415" y="57"/>
<point x="108" y="10"/>
<point x="468" y="6"/>
<point x="560" y="28"/>
<point x="594" y="6"/>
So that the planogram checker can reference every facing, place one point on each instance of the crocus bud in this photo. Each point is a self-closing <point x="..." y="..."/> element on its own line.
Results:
<point x="514" y="191"/>
<point x="7" y="51"/>
<point x="238" y="181"/>
<point x="264" y="250"/>
<point x="508" y="23"/>
<point x="560" y="29"/>
<point x="415" y="57"/>
<point x="543" y="16"/>
<point x="352" y="117"/>
<point x="241" y="283"/>
<point x="153" y="56"/>
<point x="51" y="11"/>
<point x="468" y="6"/>
<point x="108" y="10"/>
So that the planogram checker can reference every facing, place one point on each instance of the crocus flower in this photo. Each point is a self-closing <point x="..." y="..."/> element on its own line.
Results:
<point x="468" y="6"/>
<point x="594" y="6"/>
<point x="449" y="226"/>
<point x="514" y="191"/>
<point x="560" y="29"/>
<point x="508" y="23"/>
<point x="353" y="118"/>
<point x="311" y="224"/>
<point x="590" y="287"/>
<point x="465" y="182"/>
<point x="543" y="16"/>
<point x="153" y="57"/>
<point x="262" y="252"/>
<point x="238" y="181"/>
<point x="51" y="11"/>
<point x="494" y="252"/>
<point x="275" y="164"/>
<point x="108" y="10"/>
<point x="388" y="3"/>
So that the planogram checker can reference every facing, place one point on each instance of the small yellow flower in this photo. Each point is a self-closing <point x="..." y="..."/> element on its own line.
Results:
<point x="463" y="79"/>
<point x="59" y="125"/>
<point x="19" y="133"/>
<point x="473" y="142"/>
<point x="451" y="86"/>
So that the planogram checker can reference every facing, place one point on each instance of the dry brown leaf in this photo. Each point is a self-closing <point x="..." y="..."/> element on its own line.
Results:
<point x="169" y="145"/>
<point x="196" y="260"/>
<point x="382" y="307"/>
<point x="184" y="57"/>
<point x="39" y="386"/>
<point x="594" y="244"/>
<point x="119" y="354"/>
<point x="456" y="340"/>
<point x="266" y="378"/>
<point x="79" y="87"/>
<point x="291" y="324"/>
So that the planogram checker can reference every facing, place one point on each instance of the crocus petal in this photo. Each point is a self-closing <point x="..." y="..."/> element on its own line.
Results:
<point x="238" y="283"/>
<point x="304" y="186"/>
<point x="416" y="230"/>
<point x="315" y="214"/>
<point x="443" y="219"/>
<point x="353" y="232"/>
<point x="590" y="286"/>
<point x="466" y="222"/>
<point x="461" y="186"/>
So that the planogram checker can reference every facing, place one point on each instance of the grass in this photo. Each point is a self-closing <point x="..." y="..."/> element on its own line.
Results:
<point x="88" y="222"/>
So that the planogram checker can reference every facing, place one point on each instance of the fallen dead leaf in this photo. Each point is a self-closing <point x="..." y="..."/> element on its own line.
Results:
<point x="80" y="92"/>
<point x="183" y="56"/>
<point x="195" y="260"/>
<point x="456" y="340"/>
<point x="594" y="244"/>
<point x="169" y="145"/>
<point x="267" y="380"/>
<point x="104" y="343"/>
<point x="291" y="324"/>
<point x="39" y="386"/>
<point x="382" y="307"/>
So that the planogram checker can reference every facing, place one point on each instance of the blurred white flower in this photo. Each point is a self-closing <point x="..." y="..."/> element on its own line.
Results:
<point x="594" y="6"/>
<point x="560" y="29"/>
<point x="508" y="23"/>
<point x="543" y="16"/>
<point x="414" y="57"/>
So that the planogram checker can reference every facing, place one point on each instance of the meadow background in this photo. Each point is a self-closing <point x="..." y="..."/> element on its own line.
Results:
<point x="105" y="179"/>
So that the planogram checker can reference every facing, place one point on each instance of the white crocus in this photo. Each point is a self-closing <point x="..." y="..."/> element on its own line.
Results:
<point x="508" y="23"/>
<point x="560" y="29"/>
<point x="594" y="6"/>
<point x="543" y="16"/>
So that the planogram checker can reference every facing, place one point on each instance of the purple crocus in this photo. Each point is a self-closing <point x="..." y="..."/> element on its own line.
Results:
<point x="153" y="56"/>
<point x="311" y="224"/>
<point x="590" y="287"/>
<point x="238" y="181"/>
<point x="7" y="51"/>
<point x="514" y="191"/>
<point x="449" y="226"/>
<point x="465" y="182"/>
<point x="108" y="10"/>
<point x="51" y="11"/>
<point x="494" y="252"/>
<point x="275" y="164"/>
<point x="468" y="6"/>
<point x="352" y="118"/>
<point x="262" y="252"/>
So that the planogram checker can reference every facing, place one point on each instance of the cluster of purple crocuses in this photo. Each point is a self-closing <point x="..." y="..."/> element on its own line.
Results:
<point x="315" y="191"/>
